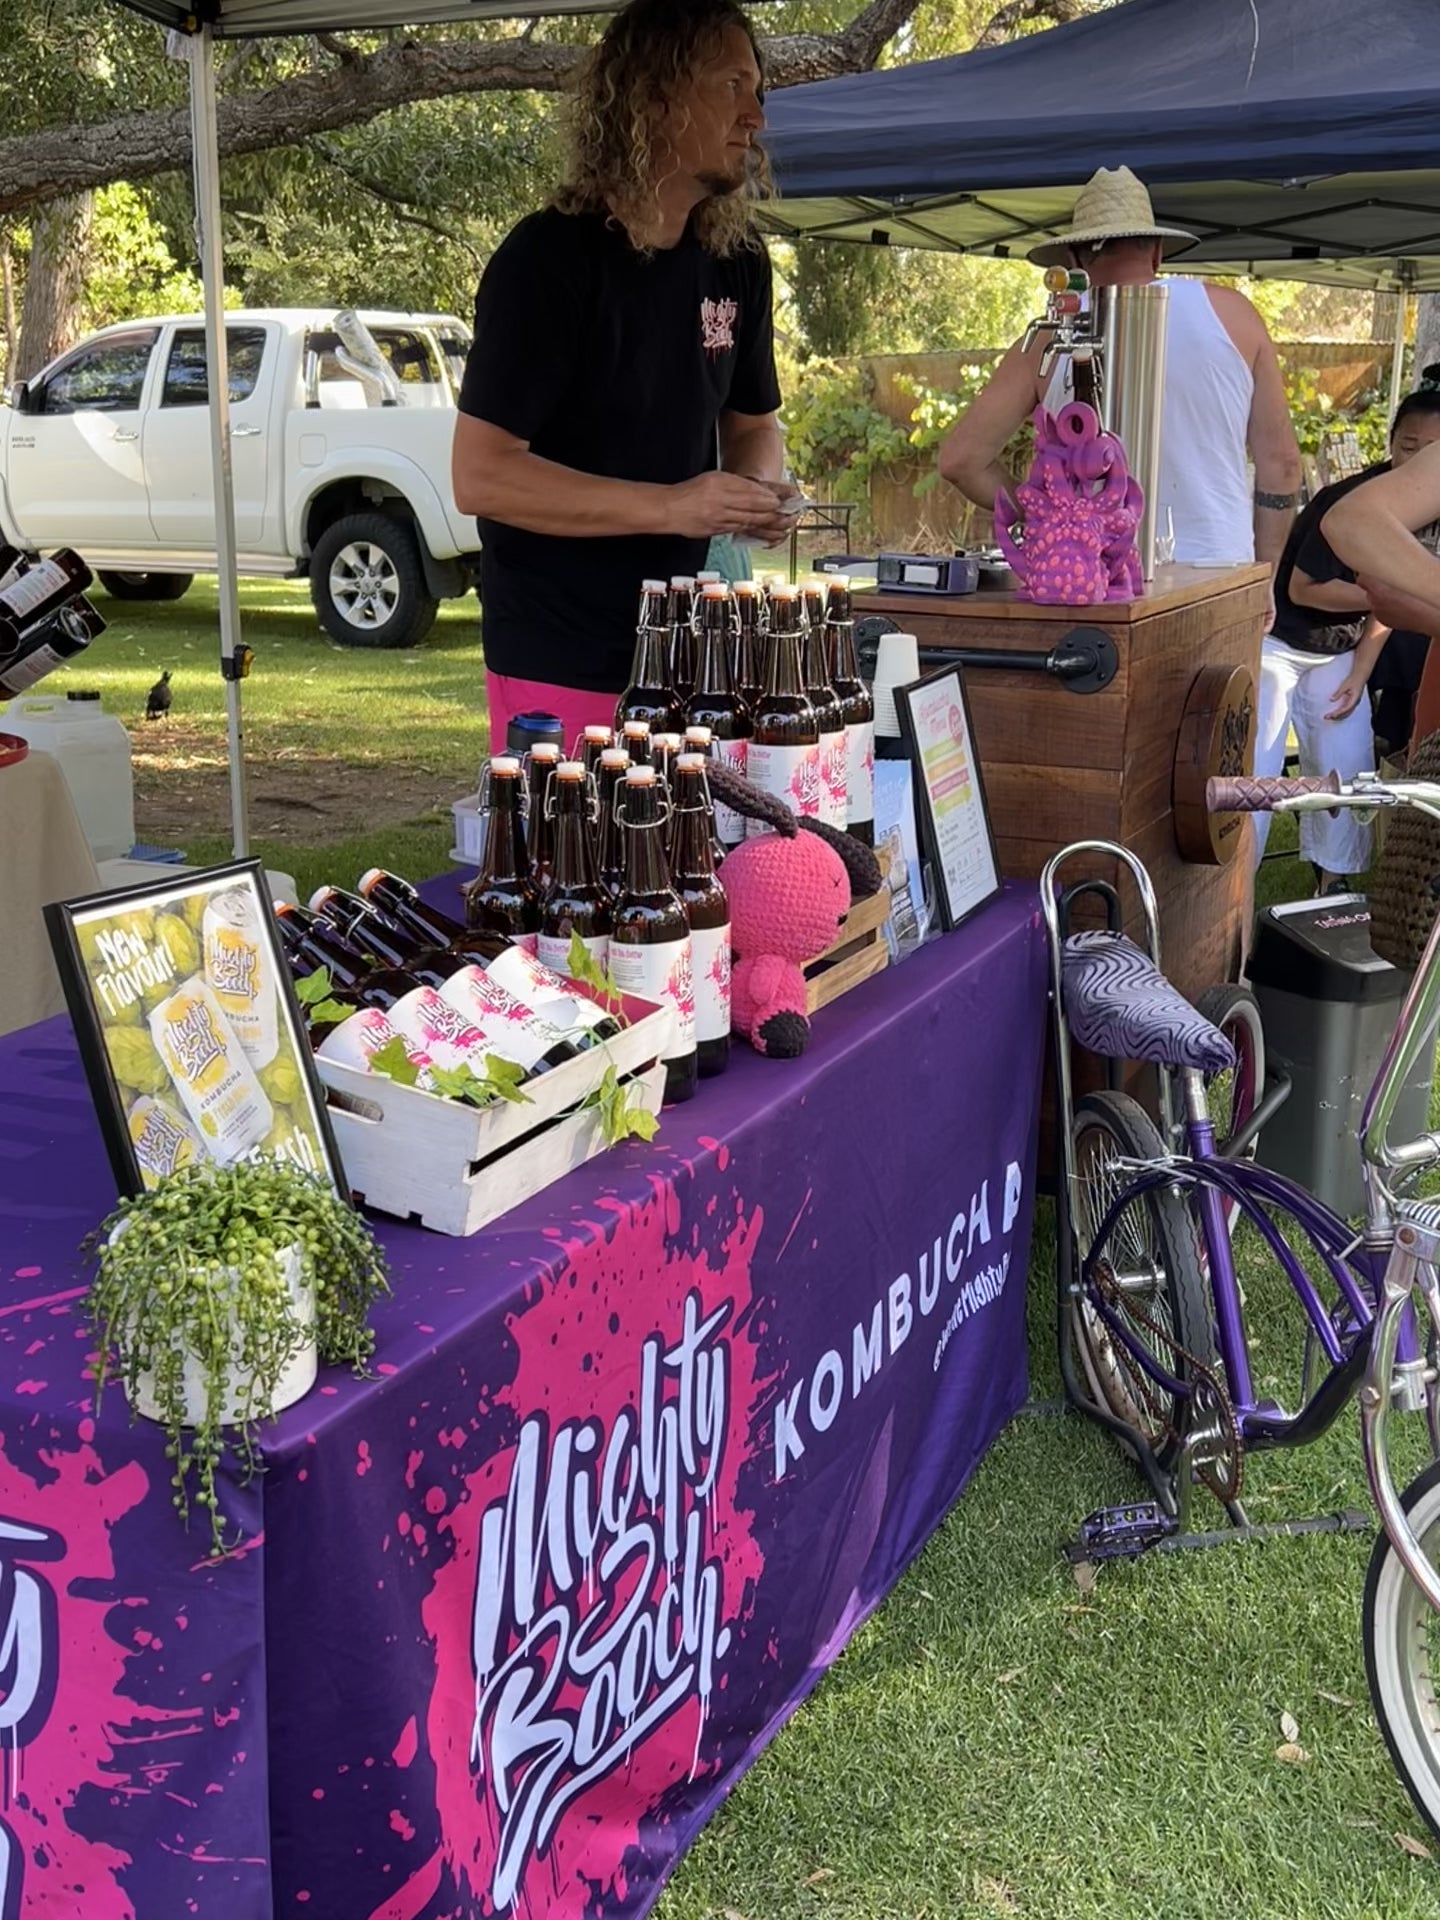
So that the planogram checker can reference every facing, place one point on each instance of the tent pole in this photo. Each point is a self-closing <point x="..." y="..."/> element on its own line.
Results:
<point x="205" y="137"/>
<point x="1397" y="362"/>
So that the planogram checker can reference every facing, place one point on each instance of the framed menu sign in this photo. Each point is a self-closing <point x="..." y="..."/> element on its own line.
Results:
<point x="949" y="794"/>
<point x="189" y="1029"/>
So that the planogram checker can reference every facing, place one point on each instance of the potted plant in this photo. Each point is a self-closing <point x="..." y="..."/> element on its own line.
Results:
<point x="215" y="1293"/>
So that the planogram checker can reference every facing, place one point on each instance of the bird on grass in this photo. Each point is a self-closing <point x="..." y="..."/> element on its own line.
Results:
<point x="157" y="701"/>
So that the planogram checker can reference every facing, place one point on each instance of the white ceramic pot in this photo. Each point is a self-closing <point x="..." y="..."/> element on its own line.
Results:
<point x="296" y="1379"/>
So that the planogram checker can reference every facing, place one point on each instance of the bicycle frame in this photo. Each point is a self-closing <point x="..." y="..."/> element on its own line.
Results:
<point x="1375" y="1273"/>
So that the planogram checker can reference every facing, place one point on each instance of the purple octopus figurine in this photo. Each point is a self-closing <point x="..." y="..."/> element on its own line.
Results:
<point x="1080" y="507"/>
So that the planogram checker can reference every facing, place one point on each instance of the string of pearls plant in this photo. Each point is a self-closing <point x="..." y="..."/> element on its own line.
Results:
<point x="196" y="1267"/>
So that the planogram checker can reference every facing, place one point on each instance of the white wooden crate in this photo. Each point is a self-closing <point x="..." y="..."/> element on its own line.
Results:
<point x="455" y="1167"/>
<point x="469" y="847"/>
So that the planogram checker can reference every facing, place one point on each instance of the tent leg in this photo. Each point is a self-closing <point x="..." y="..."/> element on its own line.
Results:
<point x="1397" y="362"/>
<point x="205" y="138"/>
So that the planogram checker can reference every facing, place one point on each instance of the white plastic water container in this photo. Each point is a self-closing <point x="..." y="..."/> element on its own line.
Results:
<point x="93" y="749"/>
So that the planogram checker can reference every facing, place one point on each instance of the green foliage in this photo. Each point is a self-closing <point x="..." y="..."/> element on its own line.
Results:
<point x="839" y="439"/>
<point x="1316" y="416"/>
<point x="193" y="1268"/>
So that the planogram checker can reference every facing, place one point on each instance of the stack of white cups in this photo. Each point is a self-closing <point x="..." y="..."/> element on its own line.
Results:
<point x="897" y="664"/>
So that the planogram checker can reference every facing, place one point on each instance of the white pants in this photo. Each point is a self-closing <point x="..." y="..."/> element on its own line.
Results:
<point x="1295" y="690"/>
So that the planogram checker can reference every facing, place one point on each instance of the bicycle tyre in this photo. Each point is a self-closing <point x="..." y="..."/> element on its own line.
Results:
<point x="1236" y="1012"/>
<point x="1397" y="1664"/>
<point x="1178" y="1295"/>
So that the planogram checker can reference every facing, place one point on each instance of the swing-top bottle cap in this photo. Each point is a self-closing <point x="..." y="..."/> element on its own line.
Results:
<point x="652" y="586"/>
<point x="692" y="763"/>
<point x="570" y="770"/>
<point x="320" y="896"/>
<point x="636" y="727"/>
<point x="682" y="579"/>
<point x="707" y="579"/>
<point x="746" y="586"/>
<point x="545" y="750"/>
<point x="699" y="736"/>
<point x="504" y="763"/>
<point x="599" y="733"/>
<point x="640" y="777"/>
<point x="615" y="757"/>
<point x="666" y="742"/>
<point x="368" y="879"/>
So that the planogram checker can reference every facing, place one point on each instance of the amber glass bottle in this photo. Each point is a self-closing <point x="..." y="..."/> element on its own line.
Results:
<point x="707" y="909"/>
<point x="650" y="953"/>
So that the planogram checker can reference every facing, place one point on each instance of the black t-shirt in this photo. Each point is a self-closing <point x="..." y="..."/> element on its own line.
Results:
<point x="618" y="363"/>
<point x="1315" y="629"/>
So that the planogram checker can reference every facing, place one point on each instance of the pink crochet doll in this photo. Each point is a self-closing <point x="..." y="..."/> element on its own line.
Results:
<point x="789" y="893"/>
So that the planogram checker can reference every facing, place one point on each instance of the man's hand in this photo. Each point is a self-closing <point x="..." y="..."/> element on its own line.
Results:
<point x="716" y="503"/>
<point x="1397" y="609"/>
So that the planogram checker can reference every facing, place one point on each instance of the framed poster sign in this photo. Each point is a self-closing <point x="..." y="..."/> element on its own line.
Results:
<point x="950" y="796"/>
<point x="189" y="1029"/>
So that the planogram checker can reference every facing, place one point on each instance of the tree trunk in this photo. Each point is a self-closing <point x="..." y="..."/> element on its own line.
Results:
<point x="59" y="256"/>
<point x="1427" y="335"/>
<point x="7" y="294"/>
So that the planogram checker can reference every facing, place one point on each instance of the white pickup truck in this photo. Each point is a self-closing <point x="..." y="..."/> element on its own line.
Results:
<point x="341" y="463"/>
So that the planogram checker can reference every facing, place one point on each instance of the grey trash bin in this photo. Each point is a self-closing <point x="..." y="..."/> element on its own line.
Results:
<point x="1329" y="1004"/>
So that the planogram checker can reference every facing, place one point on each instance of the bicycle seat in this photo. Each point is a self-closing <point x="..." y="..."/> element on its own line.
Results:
<point x="1120" y="1006"/>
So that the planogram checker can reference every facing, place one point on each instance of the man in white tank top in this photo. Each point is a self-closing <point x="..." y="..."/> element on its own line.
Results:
<point x="1225" y="405"/>
<point x="1225" y="412"/>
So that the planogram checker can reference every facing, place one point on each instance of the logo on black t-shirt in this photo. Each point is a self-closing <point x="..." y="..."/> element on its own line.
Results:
<point x="717" y="324"/>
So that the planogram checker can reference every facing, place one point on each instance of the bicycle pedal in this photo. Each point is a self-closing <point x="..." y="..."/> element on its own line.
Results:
<point x="1121" y="1533"/>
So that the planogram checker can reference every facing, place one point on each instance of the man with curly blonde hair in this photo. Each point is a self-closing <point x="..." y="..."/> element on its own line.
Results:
<point x="619" y="405"/>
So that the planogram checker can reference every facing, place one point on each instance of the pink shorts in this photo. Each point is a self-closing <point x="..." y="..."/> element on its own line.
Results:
<point x="577" y="710"/>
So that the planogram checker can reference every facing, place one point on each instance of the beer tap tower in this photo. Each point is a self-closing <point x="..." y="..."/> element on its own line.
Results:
<point x="1115" y="342"/>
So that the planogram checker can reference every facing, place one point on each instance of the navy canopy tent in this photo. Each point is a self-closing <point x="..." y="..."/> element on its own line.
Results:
<point x="1296" y="137"/>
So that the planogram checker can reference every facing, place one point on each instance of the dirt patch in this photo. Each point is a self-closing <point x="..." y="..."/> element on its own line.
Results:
<point x="182" y="790"/>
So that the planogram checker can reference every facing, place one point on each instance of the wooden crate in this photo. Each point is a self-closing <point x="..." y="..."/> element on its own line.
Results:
<point x="455" y="1168"/>
<point x="857" y="953"/>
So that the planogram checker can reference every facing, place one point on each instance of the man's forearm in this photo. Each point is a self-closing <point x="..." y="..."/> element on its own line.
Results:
<point x="522" y="490"/>
<point x="980" y="485"/>
<point x="1372" y="645"/>
<point x="757" y="452"/>
<point x="1380" y="548"/>
<point x="1272" y="525"/>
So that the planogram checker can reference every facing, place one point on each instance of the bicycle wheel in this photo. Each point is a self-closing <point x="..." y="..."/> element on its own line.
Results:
<point x="1234" y="1095"/>
<point x="1402" y="1652"/>
<point x="1150" y="1251"/>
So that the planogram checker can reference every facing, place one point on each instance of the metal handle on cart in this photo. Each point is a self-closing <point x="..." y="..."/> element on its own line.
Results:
<point x="1258" y="793"/>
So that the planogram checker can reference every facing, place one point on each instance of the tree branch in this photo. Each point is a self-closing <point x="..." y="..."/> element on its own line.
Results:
<point x="404" y="210"/>
<point x="1002" y="24"/>
<point x="38" y="167"/>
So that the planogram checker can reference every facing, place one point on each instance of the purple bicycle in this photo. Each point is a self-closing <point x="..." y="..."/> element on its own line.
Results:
<point x="1152" y="1320"/>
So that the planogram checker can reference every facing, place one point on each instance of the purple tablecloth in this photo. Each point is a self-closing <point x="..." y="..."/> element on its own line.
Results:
<point x="510" y="1617"/>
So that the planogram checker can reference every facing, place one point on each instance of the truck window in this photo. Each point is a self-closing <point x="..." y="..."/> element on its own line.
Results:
<point x="187" y="378"/>
<point x="456" y="349"/>
<point x="411" y="357"/>
<point x="107" y="377"/>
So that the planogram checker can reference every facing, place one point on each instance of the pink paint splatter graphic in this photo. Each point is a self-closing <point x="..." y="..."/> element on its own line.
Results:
<point x="601" y="1566"/>
<point x="59" y="1677"/>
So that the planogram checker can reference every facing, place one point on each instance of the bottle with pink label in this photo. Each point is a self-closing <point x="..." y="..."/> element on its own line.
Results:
<point x="707" y="908"/>
<point x="356" y="1041"/>
<point x="716" y="703"/>
<point x="510" y="1029"/>
<point x="576" y="903"/>
<point x="829" y="710"/>
<point x="784" y="754"/>
<point x="858" y="706"/>
<point x="650" y="950"/>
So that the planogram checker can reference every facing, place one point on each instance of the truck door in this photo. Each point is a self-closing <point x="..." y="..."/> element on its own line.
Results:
<point x="177" y="441"/>
<point x="76" y="475"/>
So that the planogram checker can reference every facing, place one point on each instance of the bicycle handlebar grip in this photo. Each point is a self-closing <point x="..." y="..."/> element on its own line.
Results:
<point x="1258" y="793"/>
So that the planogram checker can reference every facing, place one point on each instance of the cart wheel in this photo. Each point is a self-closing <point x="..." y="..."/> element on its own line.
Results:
<point x="1150" y="1250"/>
<point x="1402" y="1652"/>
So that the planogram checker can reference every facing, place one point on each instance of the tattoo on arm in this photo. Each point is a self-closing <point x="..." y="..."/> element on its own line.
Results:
<point x="1277" y="502"/>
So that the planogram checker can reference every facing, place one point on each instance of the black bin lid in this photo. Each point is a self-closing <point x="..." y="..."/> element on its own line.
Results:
<point x="1320" y="950"/>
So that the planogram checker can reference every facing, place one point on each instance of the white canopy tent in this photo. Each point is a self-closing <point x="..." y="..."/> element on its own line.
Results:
<point x="193" y="31"/>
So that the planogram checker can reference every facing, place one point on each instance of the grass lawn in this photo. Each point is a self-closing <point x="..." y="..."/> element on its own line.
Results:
<point x="995" y="1741"/>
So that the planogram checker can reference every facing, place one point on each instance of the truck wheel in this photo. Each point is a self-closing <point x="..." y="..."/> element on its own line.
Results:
<point x="146" y="586"/>
<point x="368" y="583"/>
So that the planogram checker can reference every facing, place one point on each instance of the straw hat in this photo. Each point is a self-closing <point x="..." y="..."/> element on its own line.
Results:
<point x="1113" y="205"/>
